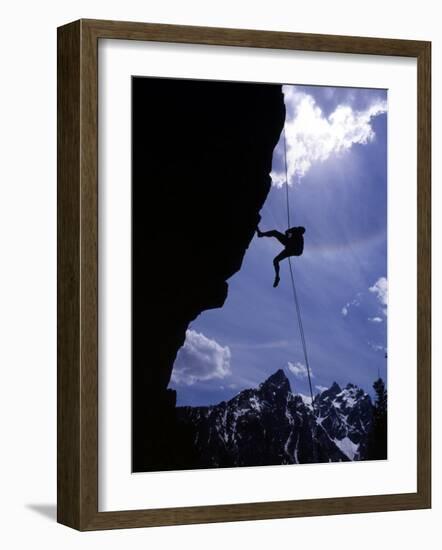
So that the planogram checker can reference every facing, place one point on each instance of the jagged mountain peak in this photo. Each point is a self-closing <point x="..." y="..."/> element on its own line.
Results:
<point x="330" y="393"/>
<point x="353" y="391"/>
<point x="277" y="381"/>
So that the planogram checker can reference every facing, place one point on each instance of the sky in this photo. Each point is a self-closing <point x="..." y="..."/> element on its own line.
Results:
<point x="336" y="144"/>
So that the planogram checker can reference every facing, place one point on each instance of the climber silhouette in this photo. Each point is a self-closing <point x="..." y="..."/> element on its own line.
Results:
<point x="293" y="242"/>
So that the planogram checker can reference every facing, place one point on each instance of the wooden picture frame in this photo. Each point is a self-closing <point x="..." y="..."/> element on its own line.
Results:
<point x="78" y="274"/>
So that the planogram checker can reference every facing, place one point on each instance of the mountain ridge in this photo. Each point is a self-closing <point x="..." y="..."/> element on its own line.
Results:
<point x="270" y="425"/>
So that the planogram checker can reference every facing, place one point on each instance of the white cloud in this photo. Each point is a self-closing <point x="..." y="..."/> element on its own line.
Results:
<point x="200" y="359"/>
<point x="375" y="320"/>
<point x="312" y="137"/>
<point x="299" y="370"/>
<point x="278" y="178"/>
<point x="377" y="347"/>
<point x="321" y="388"/>
<point x="354" y="303"/>
<point x="380" y="288"/>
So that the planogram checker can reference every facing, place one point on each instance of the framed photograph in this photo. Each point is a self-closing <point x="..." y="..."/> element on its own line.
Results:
<point x="243" y="274"/>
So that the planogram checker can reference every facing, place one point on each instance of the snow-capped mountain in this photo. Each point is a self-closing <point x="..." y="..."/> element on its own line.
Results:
<point x="271" y="425"/>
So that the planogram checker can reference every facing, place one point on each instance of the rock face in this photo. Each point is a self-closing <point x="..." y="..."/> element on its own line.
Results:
<point x="271" y="425"/>
<point x="202" y="154"/>
<point x="345" y="419"/>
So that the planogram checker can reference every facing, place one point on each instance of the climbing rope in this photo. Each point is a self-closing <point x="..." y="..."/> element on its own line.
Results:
<point x="292" y="277"/>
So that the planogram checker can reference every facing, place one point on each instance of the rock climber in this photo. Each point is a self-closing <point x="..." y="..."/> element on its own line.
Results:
<point x="293" y="242"/>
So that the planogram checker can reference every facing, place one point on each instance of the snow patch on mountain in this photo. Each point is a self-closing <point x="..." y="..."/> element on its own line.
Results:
<point x="347" y="446"/>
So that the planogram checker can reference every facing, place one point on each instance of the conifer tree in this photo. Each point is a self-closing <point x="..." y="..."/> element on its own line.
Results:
<point x="377" y="442"/>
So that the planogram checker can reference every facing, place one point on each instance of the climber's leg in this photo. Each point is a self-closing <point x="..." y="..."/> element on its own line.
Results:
<point x="281" y="256"/>
<point x="273" y="233"/>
